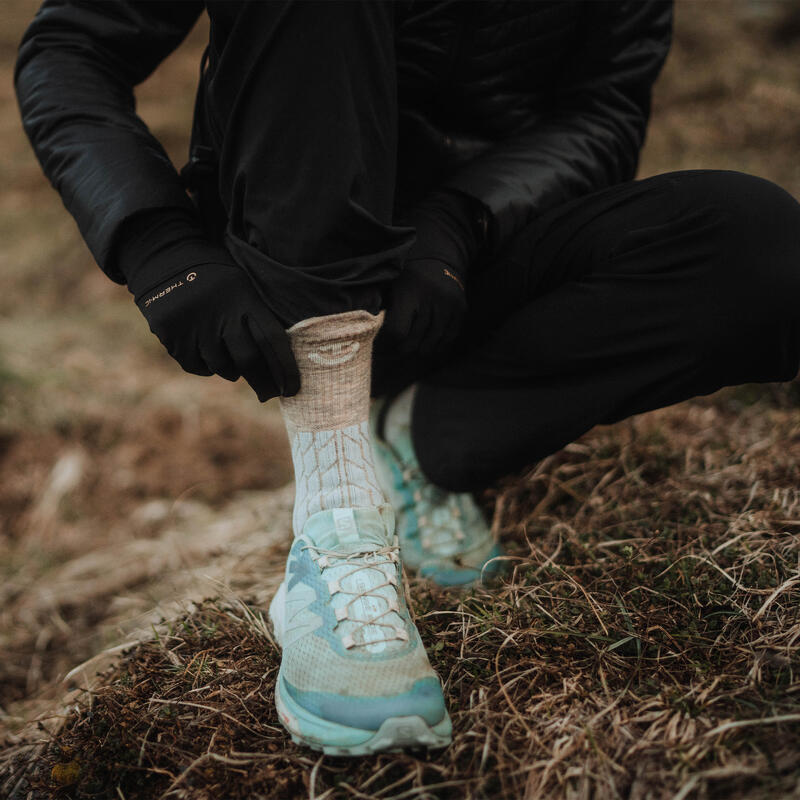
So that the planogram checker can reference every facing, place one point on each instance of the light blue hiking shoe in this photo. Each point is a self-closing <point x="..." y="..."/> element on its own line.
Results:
<point x="443" y="535"/>
<point x="354" y="677"/>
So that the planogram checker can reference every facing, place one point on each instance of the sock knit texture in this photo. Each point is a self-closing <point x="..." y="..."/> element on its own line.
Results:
<point x="327" y="420"/>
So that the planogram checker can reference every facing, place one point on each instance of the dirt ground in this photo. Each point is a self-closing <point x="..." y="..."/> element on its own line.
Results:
<point x="643" y="645"/>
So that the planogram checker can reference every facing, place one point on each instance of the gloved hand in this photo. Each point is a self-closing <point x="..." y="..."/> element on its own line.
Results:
<point x="426" y="307"/>
<point x="427" y="303"/>
<point x="202" y="306"/>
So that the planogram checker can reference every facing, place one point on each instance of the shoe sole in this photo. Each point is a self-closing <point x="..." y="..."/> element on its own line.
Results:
<point x="394" y="734"/>
<point x="455" y="578"/>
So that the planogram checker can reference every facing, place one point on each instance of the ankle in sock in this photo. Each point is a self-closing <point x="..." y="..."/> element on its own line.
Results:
<point x="327" y="420"/>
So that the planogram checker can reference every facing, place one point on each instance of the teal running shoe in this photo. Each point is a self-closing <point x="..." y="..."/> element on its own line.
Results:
<point x="443" y="535"/>
<point x="354" y="676"/>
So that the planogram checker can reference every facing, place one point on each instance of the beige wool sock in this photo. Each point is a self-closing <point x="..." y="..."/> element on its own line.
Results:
<point x="327" y="420"/>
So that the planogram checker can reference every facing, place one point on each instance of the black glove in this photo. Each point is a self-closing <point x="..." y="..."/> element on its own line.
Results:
<point x="202" y="306"/>
<point x="427" y="303"/>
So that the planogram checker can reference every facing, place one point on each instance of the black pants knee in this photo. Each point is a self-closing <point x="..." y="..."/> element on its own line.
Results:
<point x="304" y="117"/>
<point x="619" y="302"/>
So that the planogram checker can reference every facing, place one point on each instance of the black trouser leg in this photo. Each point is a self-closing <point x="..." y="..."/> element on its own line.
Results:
<point x="620" y="302"/>
<point x="305" y="120"/>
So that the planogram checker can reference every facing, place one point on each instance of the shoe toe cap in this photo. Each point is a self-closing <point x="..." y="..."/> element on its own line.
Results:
<point x="424" y="699"/>
<point x="450" y="574"/>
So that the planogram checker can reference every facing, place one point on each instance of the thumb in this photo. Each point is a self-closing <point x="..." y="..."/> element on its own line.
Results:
<point x="273" y="342"/>
<point x="402" y="309"/>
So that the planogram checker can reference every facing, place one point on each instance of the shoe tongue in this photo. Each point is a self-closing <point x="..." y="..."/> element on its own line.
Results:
<point x="366" y="586"/>
<point x="347" y="529"/>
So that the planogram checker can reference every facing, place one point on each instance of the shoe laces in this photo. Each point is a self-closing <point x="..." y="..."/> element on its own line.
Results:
<point x="379" y="628"/>
<point x="437" y="531"/>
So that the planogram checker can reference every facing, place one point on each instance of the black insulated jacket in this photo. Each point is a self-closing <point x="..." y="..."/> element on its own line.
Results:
<point x="522" y="105"/>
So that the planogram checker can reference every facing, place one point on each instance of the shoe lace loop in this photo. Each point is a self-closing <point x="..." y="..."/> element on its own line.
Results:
<point x="423" y="493"/>
<point x="364" y="559"/>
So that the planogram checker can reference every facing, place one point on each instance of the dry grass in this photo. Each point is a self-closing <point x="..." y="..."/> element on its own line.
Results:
<point x="643" y="644"/>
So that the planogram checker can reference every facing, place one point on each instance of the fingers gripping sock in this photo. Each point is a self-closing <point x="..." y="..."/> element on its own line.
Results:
<point x="327" y="420"/>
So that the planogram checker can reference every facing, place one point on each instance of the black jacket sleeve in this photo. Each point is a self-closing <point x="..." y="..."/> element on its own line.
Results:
<point x="77" y="65"/>
<point x="592" y="136"/>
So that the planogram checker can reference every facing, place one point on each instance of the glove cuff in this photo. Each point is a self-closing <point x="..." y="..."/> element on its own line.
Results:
<point x="154" y="246"/>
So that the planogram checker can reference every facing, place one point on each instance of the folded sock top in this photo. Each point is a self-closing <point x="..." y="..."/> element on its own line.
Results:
<point x="334" y="355"/>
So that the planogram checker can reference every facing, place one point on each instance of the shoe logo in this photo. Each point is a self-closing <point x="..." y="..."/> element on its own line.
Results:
<point x="191" y="276"/>
<point x="335" y="353"/>
<point x="344" y="522"/>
